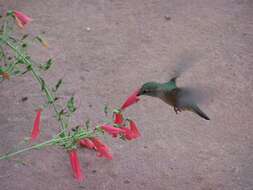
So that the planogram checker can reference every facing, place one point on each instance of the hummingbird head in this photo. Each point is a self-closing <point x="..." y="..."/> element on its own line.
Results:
<point x="149" y="89"/>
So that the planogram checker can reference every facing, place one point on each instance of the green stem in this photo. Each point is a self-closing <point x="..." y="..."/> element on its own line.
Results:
<point x="48" y="93"/>
<point x="46" y="143"/>
<point x="54" y="141"/>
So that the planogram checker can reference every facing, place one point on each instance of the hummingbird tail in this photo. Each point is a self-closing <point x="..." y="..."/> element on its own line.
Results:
<point x="198" y="111"/>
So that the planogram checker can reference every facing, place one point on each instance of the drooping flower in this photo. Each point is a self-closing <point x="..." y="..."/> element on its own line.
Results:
<point x="75" y="165"/>
<point x="36" y="125"/>
<point x="101" y="148"/>
<point x="21" y="18"/>
<point x="132" y="99"/>
<point x="132" y="132"/>
<point x="134" y="129"/>
<point x="87" y="143"/>
<point x="128" y="133"/>
<point x="114" y="131"/>
<point x="118" y="118"/>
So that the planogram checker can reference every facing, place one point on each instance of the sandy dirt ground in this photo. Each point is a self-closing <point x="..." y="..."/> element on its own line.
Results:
<point x="131" y="42"/>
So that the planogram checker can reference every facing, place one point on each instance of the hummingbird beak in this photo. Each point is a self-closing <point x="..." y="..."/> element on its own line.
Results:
<point x="138" y="93"/>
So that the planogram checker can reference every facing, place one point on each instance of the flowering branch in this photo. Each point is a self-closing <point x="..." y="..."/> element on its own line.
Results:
<point x="69" y="138"/>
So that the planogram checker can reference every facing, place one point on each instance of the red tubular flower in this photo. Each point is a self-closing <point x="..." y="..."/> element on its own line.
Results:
<point x="87" y="143"/>
<point x="128" y="133"/>
<point x="75" y="165"/>
<point x="134" y="129"/>
<point x="102" y="149"/>
<point x="21" y="18"/>
<point x="36" y="125"/>
<point x="118" y="118"/>
<point x="132" y="132"/>
<point x="114" y="131"/>
<point x="132" y="99"/>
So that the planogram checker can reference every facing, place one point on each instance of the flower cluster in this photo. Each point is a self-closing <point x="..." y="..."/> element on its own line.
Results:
<point x="125" y="128"/>
<point x="118" y="128"/>
<point x="69" y="138"/>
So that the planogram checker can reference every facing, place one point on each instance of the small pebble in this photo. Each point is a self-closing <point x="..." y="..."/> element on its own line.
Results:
<point x="167" y="17"/>
<point x="94" y="171"/>
<point x="24" y="99"/>
<point x="88" y="29"/>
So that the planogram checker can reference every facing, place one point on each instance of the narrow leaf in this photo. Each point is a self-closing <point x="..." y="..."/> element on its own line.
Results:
<point x="57" y="85"/>
<point x="42" y="41"/>
<point x="87" y="124"/>
<point x="28" y="68"/>
<point x="71" y="105"/>
<point x="42" y="84"/>
<point x="46" y="66"/>
<point x="106" y="110"/>
<point x="24" y="36"/>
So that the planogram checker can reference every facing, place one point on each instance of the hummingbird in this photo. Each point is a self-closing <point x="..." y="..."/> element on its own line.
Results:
<point x="180" y="99"/>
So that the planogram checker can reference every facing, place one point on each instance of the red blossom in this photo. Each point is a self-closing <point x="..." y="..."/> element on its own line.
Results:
<point x="134" y="129"/>
<point x="75" y="165"/>
<point x="132" y="99"/>
<point x="118" y="118"/>
<point x="36" y="125"/>
<point x="87" y="143"/>
<point x="114" y="131"/>
<point x="128" y="133"/>
<point x="132" y="132"/>
<point x="102" y="149"/>
<point x="21" y="18"/>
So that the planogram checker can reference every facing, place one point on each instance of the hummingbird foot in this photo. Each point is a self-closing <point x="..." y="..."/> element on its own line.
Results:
<point x="176" y="109"/>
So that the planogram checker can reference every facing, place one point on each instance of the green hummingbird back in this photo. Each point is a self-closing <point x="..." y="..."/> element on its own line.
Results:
<point x="170" y="85"/>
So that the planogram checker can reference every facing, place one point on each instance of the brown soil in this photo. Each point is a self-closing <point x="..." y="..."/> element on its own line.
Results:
<point x="129" y="43"/>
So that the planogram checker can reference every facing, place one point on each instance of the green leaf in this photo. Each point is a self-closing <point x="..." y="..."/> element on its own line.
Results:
<point x="87" y="124"/>
<point x="24" y="36"/>
<point x="106" y="110"/>
<point x="57" y="85"/>
<point x="16" y="72"/>
<point x="28" y="68"/>
<point x="56" y="98"/>
<point x="42" y="84"/>
<point x="1" y="55"/>
<point x="62" y="135"/>
<point x="46" y="66"/>
<point x="62" y="112"/>
<point x="71" y="105"/>
<point x="42" y="41"/>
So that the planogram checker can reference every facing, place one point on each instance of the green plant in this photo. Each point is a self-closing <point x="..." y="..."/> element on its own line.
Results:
<point x="15" y="61"/>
